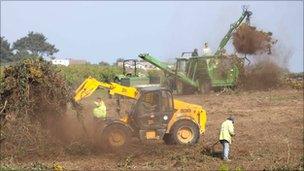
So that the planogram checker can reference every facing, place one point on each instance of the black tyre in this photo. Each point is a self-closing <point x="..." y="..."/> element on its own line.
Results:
<point x="169" y="83"/>
<point x="116" y="137"/>
<point x="188" y="89"/>
<point x="168" y="139"/>
<point x="185" y="132"/>
<point x="179" y="87"/>
<point x="234" y="87"/>
<point x="205" y="87"/>
<point x="117" y="80"/>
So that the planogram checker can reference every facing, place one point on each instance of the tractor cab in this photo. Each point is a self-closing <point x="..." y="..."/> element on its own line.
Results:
<point x="152" y="112"/>
<point x="131" y="76"/>
<point x="130" y="64"/>
<point x="181" y="64"/>
<point x="182" y="61"/>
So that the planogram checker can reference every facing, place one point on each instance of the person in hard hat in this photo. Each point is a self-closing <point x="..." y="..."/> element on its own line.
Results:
<point x="226" y="132"/>
<point x="206" y="50"/>
<point x="100" y="111"/>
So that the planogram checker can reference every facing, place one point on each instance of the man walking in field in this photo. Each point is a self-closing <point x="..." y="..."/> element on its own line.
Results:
<point x="226" y="132"/>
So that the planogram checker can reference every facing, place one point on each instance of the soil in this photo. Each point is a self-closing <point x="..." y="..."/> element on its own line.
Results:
<point x="269" y="135"/>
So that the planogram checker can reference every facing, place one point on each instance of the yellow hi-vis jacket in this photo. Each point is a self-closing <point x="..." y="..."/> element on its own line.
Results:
<point x="100" y="111"/>
<point x="227" y="130"/>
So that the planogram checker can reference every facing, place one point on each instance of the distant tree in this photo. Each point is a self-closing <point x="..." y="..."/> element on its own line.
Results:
<point x="6" y="53"/>
<point x="102" y="63"/>
<point x="34" y="44"/>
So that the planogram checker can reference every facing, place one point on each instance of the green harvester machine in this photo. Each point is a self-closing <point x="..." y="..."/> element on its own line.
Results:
<point x="203" y="73"/>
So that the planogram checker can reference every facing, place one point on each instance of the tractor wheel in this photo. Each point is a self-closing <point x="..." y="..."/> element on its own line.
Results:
<point x="168" y="139"/>
<point x="185" y="132"/>
<point x="205" y="87"/>
<point x="116" y="137"/>
<point x="169" y="83"/>
<point x="117" y="80"/>
<point x="179" y="87"/>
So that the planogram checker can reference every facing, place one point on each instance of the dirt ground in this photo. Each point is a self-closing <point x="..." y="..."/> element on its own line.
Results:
<point x="269" y="135"/>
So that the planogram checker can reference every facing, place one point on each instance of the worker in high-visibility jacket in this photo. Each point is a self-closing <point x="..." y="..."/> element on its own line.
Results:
<point x="226" y="132"/>
<point x="100" y="111"/>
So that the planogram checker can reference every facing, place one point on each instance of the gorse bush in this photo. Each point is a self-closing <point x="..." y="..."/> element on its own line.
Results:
<point x="75" y="74"/>
<point x="33" y="97"/>
<point x="31" y="87"/>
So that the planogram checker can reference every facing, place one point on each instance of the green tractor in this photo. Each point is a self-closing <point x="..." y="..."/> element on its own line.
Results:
<point x="131" y="76"/>
<point x="207" y="73"/>
<point x="199" y="74"/>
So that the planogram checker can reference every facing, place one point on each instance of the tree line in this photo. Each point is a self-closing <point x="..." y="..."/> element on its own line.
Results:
<point x="32" y="45"/>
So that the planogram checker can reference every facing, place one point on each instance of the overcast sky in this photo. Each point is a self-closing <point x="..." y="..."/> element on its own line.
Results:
<point x="105" y="31"/>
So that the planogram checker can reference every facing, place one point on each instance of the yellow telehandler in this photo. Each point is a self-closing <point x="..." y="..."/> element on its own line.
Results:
<point x="155" y="115"/>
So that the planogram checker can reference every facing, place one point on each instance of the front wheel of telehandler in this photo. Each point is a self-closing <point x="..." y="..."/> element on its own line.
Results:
<point x="116" y="137"/>
<point x="185" y="132"/>
<point x="168" y="139"/>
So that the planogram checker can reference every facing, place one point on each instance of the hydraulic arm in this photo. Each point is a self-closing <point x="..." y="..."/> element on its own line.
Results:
<point x="91" y="84"/>
<point x="180" y="76"/>
<point x="246" y="14"/>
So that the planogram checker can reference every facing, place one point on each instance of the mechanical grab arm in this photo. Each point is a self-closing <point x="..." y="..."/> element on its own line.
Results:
<point x="90" y="84"/>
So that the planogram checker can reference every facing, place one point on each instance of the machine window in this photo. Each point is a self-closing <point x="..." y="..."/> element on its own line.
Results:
<point x="149" y="103"/>
<point x="166" y="101"/>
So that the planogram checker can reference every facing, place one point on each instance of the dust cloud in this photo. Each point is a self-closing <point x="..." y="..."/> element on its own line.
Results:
<point x="268" y="58"/>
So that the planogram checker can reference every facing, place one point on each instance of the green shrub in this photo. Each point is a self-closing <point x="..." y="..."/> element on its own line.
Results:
<point x="75" y="74"/>
<point x="224" y="167"/>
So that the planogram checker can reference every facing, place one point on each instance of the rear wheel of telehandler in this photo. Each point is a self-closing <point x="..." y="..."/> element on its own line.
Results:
<point x="116" y="137"/>
<point x="185" y="132"/>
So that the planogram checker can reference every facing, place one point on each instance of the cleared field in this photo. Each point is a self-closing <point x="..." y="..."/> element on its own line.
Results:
<point x="269" y="135"/>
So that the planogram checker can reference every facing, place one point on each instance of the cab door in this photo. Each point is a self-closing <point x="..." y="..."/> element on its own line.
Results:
<point x="148" y="110"/>
<point x="167" y="107"/>
<point x="153" y="113"/>
<point x="154" y="109"/>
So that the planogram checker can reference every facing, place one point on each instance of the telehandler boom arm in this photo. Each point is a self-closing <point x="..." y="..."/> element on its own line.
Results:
<point x="91" y="84"/>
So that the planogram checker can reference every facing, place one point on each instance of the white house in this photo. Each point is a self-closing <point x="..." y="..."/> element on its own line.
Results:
<point x="141" y="64"/>
<point x="65" y="62"/>
<point x="69" y="61"/>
